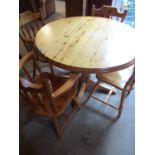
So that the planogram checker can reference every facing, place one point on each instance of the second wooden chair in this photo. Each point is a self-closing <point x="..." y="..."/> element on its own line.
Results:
<point x="29" y="23"/>
<point x="109" y="12"/>
<point x="121" y="79"/>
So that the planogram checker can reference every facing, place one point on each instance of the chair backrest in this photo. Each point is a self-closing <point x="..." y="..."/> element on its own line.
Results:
<point x="109" y="12"/>
<point x="29" y="24"/>
<point x="46" y="92"/>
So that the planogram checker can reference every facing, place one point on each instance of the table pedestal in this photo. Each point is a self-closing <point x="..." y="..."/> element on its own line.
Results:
<point x="87" y="81"/>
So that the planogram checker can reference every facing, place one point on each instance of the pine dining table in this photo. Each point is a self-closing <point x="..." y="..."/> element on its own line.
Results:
<point x="87" y="44"/>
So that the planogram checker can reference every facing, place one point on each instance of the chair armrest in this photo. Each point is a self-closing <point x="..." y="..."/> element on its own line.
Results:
<point x="27" y="84"/>
<point x="25" y="58"/>
<point x="73" y="77"/>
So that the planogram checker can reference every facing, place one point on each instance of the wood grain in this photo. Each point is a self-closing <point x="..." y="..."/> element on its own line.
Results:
<point x="87" y="44"/>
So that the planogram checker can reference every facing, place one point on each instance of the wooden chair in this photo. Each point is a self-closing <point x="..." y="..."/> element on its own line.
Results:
<point x="109" y="12"/>
<point x="29" y="24"/>
<point x="122" y="80"/>
<point x="49" y="95"/>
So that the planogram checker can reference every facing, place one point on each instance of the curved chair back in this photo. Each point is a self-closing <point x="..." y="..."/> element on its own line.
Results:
<point x="29" y="24"/>
<point x="109" y="12"/>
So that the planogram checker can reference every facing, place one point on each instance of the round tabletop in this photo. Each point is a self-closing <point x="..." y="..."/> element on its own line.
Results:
<point x="86" y="44"/>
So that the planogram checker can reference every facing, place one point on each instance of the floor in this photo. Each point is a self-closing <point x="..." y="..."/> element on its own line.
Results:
<point x="93" y="131"/>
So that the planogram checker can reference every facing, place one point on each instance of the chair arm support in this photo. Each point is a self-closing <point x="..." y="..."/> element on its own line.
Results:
<point x="73" y="77"/>
<point x="25" y="58"/>
<point x="27" y="84"/>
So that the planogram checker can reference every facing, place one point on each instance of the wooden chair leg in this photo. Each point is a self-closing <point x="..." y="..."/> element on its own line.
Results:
<point x="123" y="96"/>
<point x="57" y="128"/>
<point x="93" y="89"/>
<point x="131" y="87"/>
<point x="80" y="95"/>
<point x="35" y="68"/>
<point x="52" y="69"/>
<point x="76" y="104"/>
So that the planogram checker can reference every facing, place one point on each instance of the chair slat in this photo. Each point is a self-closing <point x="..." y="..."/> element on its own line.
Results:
<point x="122" y="80"/>
<point x="109" y="12"/>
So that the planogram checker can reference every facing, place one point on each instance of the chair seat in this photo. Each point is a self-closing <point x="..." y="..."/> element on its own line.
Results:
<point x="117" y="79"/>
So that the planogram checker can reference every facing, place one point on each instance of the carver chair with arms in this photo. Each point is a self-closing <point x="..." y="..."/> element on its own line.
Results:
<point x="109" y="12"/>
<point x="49" y="95"/>
<point x="121" y="79"/>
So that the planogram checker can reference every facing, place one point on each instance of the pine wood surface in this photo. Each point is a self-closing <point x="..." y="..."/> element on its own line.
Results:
<point x="87" y="44"/>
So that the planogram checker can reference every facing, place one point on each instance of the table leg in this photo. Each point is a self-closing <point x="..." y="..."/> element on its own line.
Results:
<point x="92" y="80"/>
<point x="87" y="81"/>
<point x="102" y="88"/>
